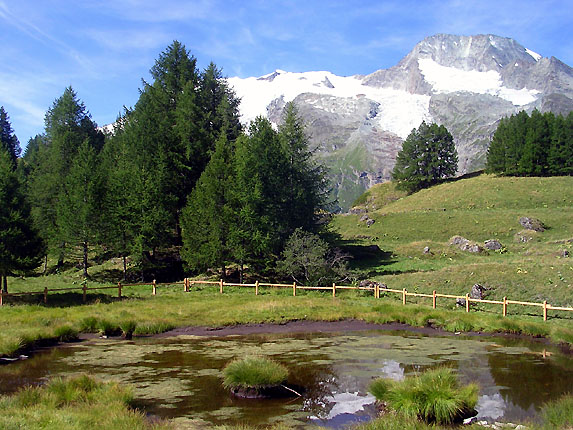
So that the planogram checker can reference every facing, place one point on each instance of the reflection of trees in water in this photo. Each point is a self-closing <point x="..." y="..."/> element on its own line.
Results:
<point x="319" y="380"/>
<point x="527" y="380"/>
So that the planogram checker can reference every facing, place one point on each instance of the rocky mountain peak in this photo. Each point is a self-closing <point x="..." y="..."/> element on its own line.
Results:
<point x="357" y="123"/>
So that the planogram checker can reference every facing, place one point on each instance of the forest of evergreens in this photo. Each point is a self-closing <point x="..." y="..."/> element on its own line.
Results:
<point x="178" y="178"/>
<point x="536" y="145"/>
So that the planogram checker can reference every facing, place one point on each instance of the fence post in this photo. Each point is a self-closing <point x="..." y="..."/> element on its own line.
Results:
<point x="186" y="285"/>
<point x="1" y="298"/>
<point x="467" y="303"/>
<point x="84" y="292"/>
<point x="45" y="295"/>
<point x="334" y="289"/>
<point x="119" y="290"/>
<point x="221" y="286"/>
<point x="434" y="299"/>
<point x="544" y="310"/>
<point x="154" y="284"/>
<point x="505" y="306"/>
<point x="294" y="288"/>
<point x="404" y="296"/>
<point x="256" y="288"/>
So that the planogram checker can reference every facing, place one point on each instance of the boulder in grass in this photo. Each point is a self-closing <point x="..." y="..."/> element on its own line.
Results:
<point x="466" y="245"/>
<point x="532" y="224"/>
<point x="493" y="245"/>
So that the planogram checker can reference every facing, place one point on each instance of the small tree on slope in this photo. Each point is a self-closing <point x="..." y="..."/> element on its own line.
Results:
<point x="428" y="156"/>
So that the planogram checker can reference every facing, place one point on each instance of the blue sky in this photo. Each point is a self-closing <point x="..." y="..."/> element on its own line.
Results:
<point x="103" y="48"/>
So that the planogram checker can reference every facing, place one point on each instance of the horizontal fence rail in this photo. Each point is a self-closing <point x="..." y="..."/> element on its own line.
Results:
<point x="376" y="289"/>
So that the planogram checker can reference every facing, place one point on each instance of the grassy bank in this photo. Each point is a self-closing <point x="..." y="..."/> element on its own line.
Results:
<point x="23" y="325"/>
<point x="78" y="403"/>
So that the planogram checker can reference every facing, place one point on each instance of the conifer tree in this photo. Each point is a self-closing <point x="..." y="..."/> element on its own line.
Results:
<point x="8" y="140"/>
<point x="536" y="146"/>
<point x="207" y="220"/>
<point x="80" y="202"/>
<point x="428" y="156"/>
<point x="21" y="248"/>
<point x="68" y="126"/>
<point x="305" y="180"/>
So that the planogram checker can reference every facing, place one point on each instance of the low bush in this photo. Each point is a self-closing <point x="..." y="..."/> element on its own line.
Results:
<point x="433" y="396"/>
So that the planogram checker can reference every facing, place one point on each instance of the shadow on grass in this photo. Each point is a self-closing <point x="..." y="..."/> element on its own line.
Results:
<point x="368" y="258"/>
<point x="63" y="300"/>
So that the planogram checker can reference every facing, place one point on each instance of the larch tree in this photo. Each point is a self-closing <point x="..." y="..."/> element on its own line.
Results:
<point x="21" y="247"/>
<point x="68" y="125"/>
<point x="8" y="140"/>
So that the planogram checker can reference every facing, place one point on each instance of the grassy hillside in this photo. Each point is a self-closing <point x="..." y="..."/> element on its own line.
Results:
<point x="480" y="208"/>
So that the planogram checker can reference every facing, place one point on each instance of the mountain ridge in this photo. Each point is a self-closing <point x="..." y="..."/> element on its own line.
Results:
<point x="357" y="123"/>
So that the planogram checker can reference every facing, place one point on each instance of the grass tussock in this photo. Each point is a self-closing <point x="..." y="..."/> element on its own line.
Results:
<point x="253" y="372"/>
<point x="558" y="414"/>
<point x="433" y="396"/>
<point x="76" y="403"/>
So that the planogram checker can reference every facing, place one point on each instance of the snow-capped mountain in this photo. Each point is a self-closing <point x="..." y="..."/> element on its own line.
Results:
<point x="357" y="123"/>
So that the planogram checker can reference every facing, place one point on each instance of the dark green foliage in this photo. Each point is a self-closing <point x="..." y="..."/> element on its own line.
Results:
<point x="8" y="140"/>
<point x="79" y="206"/>
<point x="68" y="128"/>
<point x="207" y="219"/>
<point x="305" y="180"/>
<point x="536" y="145"/>
<point x="161" y="148"/>
<point x="428" y="156"/>
<point x="21" y="248"/>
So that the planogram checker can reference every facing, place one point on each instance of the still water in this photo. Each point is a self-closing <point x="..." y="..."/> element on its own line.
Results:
<point x="180" y="378"/>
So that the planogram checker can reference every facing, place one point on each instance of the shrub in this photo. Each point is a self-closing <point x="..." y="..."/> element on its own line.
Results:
<point x="433" y="396"/>
<point x="253" y="372"/>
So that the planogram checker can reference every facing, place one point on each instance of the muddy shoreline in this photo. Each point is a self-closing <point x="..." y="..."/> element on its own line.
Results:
<point x="309" y="326"/>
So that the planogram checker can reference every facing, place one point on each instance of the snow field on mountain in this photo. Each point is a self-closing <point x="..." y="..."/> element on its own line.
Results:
<point x="398" y="112"/>
<point x="450" y="79"/>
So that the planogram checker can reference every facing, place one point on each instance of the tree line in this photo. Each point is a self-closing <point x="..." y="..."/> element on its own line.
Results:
<point x="178" y="175"/>
<point x="536" y="145"/>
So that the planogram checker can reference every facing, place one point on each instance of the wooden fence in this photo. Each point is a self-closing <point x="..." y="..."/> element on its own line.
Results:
<point x="376" y="289"/>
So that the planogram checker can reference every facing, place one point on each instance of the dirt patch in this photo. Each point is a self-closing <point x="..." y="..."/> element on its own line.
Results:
<point x="299" y="326"/>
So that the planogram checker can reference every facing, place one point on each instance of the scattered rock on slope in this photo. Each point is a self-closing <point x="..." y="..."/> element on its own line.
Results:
<point x="531" y="224"/>
<point x="493" y="244"/>
<point x="465" y="244"/>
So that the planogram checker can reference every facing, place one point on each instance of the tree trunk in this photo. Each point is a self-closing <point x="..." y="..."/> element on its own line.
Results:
<point x="85" y="263"/>
<point x="62" y="254"/>
<point x="124" y="268"/>
<point x="45" y="264"/>
<point x="4" y="283"/>
<point x="223" y="272"/>
<point x="241" y="273"/>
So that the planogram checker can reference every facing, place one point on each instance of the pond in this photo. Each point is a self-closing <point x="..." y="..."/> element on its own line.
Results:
<point x="180" y="378"/>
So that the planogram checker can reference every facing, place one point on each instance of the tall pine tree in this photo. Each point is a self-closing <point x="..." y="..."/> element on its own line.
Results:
<point x="8" y="140"/>
<point x="68" y="126"/>
<point x="21" y="248"/>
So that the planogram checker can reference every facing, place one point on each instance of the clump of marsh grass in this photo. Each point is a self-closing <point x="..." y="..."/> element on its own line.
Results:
<point x="107" y="328"/>
<point x="254" y="372"/>
<point x="433" y="396"/>
<point x="74" y="404"/>
<point x="127" y="328"/>
<point x="66" y="333"/>
<point x="558" y="414"/>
